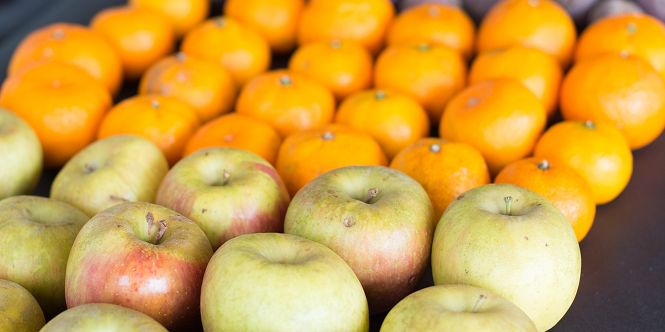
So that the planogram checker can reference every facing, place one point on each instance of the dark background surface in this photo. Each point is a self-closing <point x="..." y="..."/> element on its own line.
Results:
<point x="623" y="257"/>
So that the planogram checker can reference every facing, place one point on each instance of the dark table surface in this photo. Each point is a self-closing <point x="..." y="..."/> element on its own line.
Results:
<point x="623" y="257"/>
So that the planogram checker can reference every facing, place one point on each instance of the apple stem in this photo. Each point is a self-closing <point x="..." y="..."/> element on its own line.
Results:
<point x="225" y="177"/>
<point x="150" y="220"/>
<point x="479" y="302"/>
<point x="509" y="204"/>
<point x="161" y="231"/>
<point x="371" y="194"/>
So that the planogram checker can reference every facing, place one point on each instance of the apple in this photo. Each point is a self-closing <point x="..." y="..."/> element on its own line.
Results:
<point x="21" y="154"/>
<point x="456" y="308"/>
<point x="37" y="234"/>
<point x="141" y="256"/>
<point x="227" y="192"/>
<point x="379" y="220"/>
<point x="111" y="171"/>
<point x="19" y="311"/>
<point x="609" y="8"/>
<point x="513" y="242"/>
<point x="102" y="317"/>
<point x="281" y="282"/>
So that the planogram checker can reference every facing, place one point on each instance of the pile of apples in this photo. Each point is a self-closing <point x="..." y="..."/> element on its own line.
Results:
<point x="226" y="243"/>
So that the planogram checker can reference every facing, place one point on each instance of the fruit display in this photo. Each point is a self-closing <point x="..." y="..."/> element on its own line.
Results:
<point x="332" y="165"/>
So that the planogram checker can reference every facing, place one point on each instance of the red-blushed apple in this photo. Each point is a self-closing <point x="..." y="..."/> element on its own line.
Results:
<point x="22" y="156"/>
<point x="513" y="242"/>
<point x="456" y="308"/>
<point x="36" y="235"/>
<point x="19" y="311"/>
<point x="281" y="282"/>
<point x="111" y="171"/>
<point x="142" y="256"/>
<point x="102" y="317"/>
<point x="379" y="220"/>
<point x="227" y="192"/>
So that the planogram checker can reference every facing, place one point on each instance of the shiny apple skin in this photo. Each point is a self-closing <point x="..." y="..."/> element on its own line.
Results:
<point x="102" y="317"/>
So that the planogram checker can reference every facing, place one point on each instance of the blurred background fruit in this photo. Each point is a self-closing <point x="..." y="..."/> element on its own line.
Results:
<point x="406" y="4"/>
<point x="654" y="7"/>
<point x="479" y="8"/>
<point x="183" y="14"/>
<point x="609" y="8"/>
<point x="578" y="9"/>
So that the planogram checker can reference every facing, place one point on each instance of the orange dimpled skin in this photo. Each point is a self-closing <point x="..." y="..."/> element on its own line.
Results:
<point x="393" y="119"/>
<point x="629" y="34"/>
<point x="622" y="90"/>
<point x="166" y="121"/>
<point x="429" y="74"/>
<point x="304" y="156"/>
<point x="276" y="20"/>
<point x="73" y="44"/>
<point x="542" y="24"/>
<point x="62" y="103"/>
<point x="183" y="14"/>
<point x="289" y="102"/>
<point x="237" y="131"/>
<point x="241" y="50"/>
<point x="596" y="151"/>
<point x="140" y="36"/>
<point x="364" y="21"/>
<point x="501" y="118"/>
<point x="206" y="86"/>
<point x="536" y="70"/>
<point x="435" y="24"/>
<point x="566" y="189"/>
<point x="343" y="67"/>
<point x="445" y="169"/>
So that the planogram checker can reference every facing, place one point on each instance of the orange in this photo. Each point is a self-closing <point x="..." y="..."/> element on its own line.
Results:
<point x="289" y="102"/>
<point x="429" y="74"/>
<point x="445" y="169"/>
<point x="305" y="155"/>
<point x="501" y="118"/>
<point x="542" y="24"/>
<point x="276" y="20"/>
<point x="72" y="44"/>
<point x="393" y="119"/>
<point x="536" y="70"/>
<point x="240" y="49"/>
<point x="596" y="151"/>
<point x="237" y="131"/>
<point x="343" y="67"/>
<point x="61" y="102"/>
<point x="435" y="24"/>
<point x="631" y="34"/>
<point x="567" y="190"/>
<point x="183" y="14"/>
<point x="364" y="21"/>
<point x="166" y="121"/>
<point x="140" y="36"/>
<point x="622" y="90"/>
<point x="205" y="86"/>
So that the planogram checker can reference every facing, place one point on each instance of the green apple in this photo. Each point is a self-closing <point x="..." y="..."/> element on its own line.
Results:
<point x="37" y="234"/>
<point x="102" y="317"/>
<point x="511" y="241"/>
<point x="227" y="192"/>
<point x="19" y="311"/>
<point x="22" y="156"/>
<point x="280" y="282"/>
<point x="456" y="308"/>
<point x="111" y="171"/>
<point x="379" y="220"/>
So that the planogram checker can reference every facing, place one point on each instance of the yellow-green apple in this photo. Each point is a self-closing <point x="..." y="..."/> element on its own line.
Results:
<point x="36" y="236"/>
<point x="111" y="171"/>
<point x="142" y="256"/>
<point x="456" y="308"/>
<point x="19" y="311"/>
<point x="379" y="220"/>
<point x="227" y="192"/>
<point x="21" y="154"/>
<point x="281" y="282"/>
<point x="511" y="241"/>
<point x="102" y="317"/>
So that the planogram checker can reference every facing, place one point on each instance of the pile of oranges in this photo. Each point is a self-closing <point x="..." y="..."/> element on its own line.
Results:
<point x="364" y="86"/>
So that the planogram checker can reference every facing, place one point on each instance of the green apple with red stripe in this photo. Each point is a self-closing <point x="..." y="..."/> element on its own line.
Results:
<point x="227" y="192"/>
<point x="141" y="256"/>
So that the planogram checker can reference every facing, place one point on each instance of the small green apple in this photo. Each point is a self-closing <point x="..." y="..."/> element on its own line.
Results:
<point x="22" y="156"/>
<point x="280" y="282"/>
<point x="102" y="317"/>
<point x="111" y="171"/>
<point x="19" y="311"/>
<point x="514" y="242"/>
